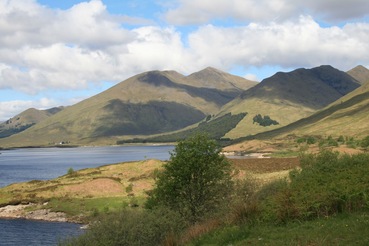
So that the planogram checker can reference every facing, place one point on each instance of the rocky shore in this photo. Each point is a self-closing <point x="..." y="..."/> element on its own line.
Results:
<point x="21" y="212"/>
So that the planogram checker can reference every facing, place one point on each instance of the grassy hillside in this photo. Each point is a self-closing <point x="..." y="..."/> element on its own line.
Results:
<point x="25" y="120"/>
<point x="149" y="103"/>
<point x="347" y="116"/>
<point x="288" y="97"/>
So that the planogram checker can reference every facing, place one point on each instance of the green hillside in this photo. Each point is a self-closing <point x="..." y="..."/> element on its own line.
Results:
<point x="288" y="97"/>
<point x="25" y="120"/>
<point x="149" y="103"/>
<point x="348" y="116"/>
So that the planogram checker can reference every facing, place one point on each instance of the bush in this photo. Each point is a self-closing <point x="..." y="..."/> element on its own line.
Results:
<point x="327" y="184"/>
<point x="365" y="142"/>
<point x="131" y="227"/>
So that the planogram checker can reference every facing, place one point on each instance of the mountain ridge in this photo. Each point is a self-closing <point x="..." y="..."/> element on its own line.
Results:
<point x="288" y="97"/>
<point x="147" y="103"/>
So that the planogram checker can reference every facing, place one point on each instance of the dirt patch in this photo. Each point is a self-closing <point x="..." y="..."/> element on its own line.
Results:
<point x="347" y="150"/>
<point x="265" y="165"/>
<point x="96" y="188"/>
<point x="248" y="146"/>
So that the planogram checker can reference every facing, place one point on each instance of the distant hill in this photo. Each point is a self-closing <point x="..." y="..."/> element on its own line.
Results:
<point x="25" y="120"/>
<point x="149" y="103"/>
<point x="287" y="97"/>
<point x="348" y="116"/>
<point x="360" y="73"/>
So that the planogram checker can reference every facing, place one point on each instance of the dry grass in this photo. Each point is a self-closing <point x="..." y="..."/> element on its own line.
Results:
<point x="105" y="181"/>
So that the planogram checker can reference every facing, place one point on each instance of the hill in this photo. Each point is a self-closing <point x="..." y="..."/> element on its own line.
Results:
<point x="287" y="97"/>
<point x="149" y="103"/>
<point x="360" y="73"/>
<point x="25" y="120"/>
<point x="348" y="116"/>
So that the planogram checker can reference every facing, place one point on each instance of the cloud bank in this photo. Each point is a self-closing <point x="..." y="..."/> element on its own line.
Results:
<point x="53" y="49"/>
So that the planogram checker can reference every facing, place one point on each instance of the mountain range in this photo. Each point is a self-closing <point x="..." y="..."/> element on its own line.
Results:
<point x="153" y="102"/>
<point x="160" y="102"/>
<point x="348" y="116"/>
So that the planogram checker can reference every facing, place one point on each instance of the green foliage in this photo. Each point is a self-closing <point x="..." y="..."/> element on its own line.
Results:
<point x="131" y="227"/>
<point x="365" y="142"/>
<point x="329" y="142"/>
<point x="264" y="121"/>
<point x="195" y="181"/>
<point x="328" y="184"/>
<point x="307" y="139"/>
<point x="129" y="188"/>
<point x="71" y="172"/>
<point x="345" y="229"/>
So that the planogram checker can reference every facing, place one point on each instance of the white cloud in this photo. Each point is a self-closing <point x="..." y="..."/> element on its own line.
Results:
<point x="200" y="12"/>
<point x="45" y="49"/>
<point x="288" y="44"/>
<point x="252" y="77"/>
<point x="336" y="10"/>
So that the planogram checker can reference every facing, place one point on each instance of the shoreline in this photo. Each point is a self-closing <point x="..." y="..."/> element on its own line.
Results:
<point x="20" y="212"/>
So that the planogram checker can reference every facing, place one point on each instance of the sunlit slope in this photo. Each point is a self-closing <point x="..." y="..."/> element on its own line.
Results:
<point x="360" y="73"/>
<point x="348" y="116"/>
<point x="25" y="120"/>
<point x="149" y="103"/>
<point x="288" y="97"/>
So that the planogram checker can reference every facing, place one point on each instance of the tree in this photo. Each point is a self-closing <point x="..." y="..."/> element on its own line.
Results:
<point x="196" y="179"/>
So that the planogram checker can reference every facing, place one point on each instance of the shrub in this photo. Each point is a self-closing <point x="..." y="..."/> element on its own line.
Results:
<point x="365" y="142"/>
<point x="327" y="184"/>
<point x="71" y="172"/>
<point x="131" y="227"/>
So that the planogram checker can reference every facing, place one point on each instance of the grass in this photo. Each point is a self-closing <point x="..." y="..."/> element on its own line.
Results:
<point x="89" y="192"/>
<point x="343" y="229"/>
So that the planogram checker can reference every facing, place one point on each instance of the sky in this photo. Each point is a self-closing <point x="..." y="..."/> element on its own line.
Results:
<point x="57" y="53"/>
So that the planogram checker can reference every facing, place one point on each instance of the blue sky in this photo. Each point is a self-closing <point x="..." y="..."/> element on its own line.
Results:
<point x="56" y="53"/>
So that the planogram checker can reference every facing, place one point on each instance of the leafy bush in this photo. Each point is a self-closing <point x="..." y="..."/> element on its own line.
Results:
<point x="327" y="184"/>
<point x="365" y="142"/>
<point x="308" y="139"/>
<point x="131" y="227"/>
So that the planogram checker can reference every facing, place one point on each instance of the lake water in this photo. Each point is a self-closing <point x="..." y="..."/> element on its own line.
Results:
<point x="35" y="233"/>
<point x="47" y="163"/>
<point x="41" y="164"/>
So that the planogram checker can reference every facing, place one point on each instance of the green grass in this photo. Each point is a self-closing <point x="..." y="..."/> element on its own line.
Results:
<point x="91" y="207"/>
<point x="344" y="229"/>
<point x="326" y="202"/>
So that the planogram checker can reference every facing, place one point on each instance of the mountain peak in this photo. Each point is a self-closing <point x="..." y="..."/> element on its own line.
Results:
<point x="360" y="73"/>
<point x="214" y="78"/>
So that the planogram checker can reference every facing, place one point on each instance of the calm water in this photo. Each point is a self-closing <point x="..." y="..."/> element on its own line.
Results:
<point x="35" y="233"/>
<point x="30" y="164"/>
